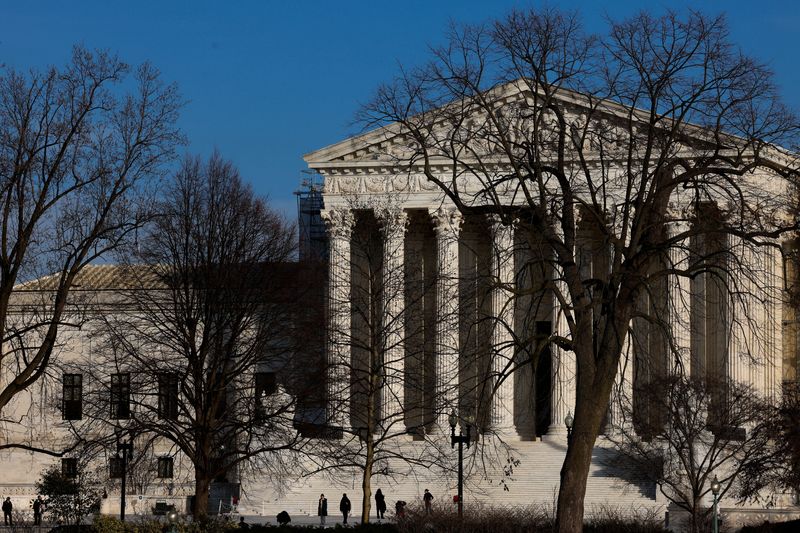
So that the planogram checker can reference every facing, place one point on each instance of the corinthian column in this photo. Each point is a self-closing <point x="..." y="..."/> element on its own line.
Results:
<point x="774" y="346"/>
<point x="679" y="300"/>
<point x="502" y="268"/>
<point x="562" y="379"/>
<point x="446" y="226"/>
<point x="393" y="227"/>
<point x="339" y="223"/>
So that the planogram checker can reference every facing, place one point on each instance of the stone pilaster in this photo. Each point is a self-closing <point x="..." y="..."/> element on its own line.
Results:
<point x="393" y="224"/>
<point x="502" y="270"/>
<point x="339" y="223"/>
<point x="446" y="226"/>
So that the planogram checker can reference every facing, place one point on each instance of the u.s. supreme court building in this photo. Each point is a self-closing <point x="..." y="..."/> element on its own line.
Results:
<point x="434" y="309"/>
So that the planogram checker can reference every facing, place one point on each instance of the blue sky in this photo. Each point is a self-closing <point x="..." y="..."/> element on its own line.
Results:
<point x="268" y="81"/>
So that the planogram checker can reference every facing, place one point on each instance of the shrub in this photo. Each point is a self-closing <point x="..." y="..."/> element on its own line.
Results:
<point x="69" y="499"/>
<point x="768" y="527"/>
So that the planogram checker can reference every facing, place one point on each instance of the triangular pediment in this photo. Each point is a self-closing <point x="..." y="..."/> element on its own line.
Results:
<point x="389" y="147"/>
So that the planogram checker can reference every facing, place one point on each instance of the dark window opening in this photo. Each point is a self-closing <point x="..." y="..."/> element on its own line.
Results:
<point x="266" y="385"/>
<point x="165" y="467"/>
<point x="120" y="396"/>
<point x="168" y="396"/>
<point x="72" y="397"/>
<point x="218" y="394"/>
<point x="116" y="467"/>
<point x="69" y="467"/>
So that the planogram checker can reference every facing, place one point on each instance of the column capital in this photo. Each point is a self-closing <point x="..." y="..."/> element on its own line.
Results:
<point x="393" y="221"/>
<point x="446" y="220"/>
<point x="339" y="222"/>
<point x="497" y="225"/>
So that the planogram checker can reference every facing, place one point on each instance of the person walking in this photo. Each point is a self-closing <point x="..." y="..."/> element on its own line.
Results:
<point x="344" y="507"/>
<point x="428" y="499"/>
<point x="7" y="508"/>
<point x="322" y="509"/>
<point x="37" y="511"/>
<point x="380" y="503"/>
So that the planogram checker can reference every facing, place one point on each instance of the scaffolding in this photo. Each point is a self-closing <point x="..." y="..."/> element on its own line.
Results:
<point x="313" y="242"/>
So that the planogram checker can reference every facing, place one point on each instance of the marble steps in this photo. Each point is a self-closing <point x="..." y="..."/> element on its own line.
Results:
<point x="534" y="479"/>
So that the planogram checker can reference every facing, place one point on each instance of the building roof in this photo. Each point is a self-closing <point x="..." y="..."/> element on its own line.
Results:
<point x="100" y="277"/>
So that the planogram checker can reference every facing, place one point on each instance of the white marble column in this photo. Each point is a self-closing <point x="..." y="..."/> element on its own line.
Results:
<point x="757" y="327"/>
<point x="622" y="397"/>
<point x="339" y="223"/>
<point x="680" y="360"/>
<point x="773" y="368"/>
<point x="446" y="226"/>
<point x="742" y="266"/>
<point x="563" y="376"/>
<point x="502" y="269"/>
<point x="393" y="223"/>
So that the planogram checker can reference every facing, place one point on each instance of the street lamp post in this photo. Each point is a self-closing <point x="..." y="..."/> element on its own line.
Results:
<point x="172" y="517"/>
<point x="460" y="440"/>
<point x="568" y="421"/>
<point x="126" y="450"/>
<point x="715" y="493"/>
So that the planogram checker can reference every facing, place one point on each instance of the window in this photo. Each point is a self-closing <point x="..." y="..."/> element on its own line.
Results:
<point x="116" y="467"/>
<point x="168" y="396"/>
<point x="69" y="467"/>
<point x="266" y="384"/>
<point x="120" y="396"/>
<point x="72" y="397"/>
<point x="165" y="467"/>
<point x="218" y="394"/>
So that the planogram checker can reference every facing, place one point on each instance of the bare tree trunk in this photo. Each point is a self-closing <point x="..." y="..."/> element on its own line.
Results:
<point x="575" y="470"/>
<point x="591" y="404"/>
<point x="366" y="482"/>
<point x="201" y="490"/>
<point x="695" y="522"/>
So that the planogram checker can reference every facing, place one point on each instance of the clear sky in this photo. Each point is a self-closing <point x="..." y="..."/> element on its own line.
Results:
<point x="267" y="81"/>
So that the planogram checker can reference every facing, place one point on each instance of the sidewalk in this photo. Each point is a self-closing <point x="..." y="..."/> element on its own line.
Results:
<point x="308" y="520"/>
<point x="297" y="520"/>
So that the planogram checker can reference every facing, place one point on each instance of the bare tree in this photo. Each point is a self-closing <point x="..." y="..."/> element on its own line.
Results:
<point x="698" y="438"/>
<point x="626" y="143"/>
<point x="77" y="147"/>
<point x="198" y="350"/>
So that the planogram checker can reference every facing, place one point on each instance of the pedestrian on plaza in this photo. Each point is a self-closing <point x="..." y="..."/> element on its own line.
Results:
<point x="344" y="507"/>
<point x="7" y="508"/>
<point x="322" y="509"/>
<point x="37" y="511"/>
<point x="380" y="503"/>
<point x="428" y="499"/>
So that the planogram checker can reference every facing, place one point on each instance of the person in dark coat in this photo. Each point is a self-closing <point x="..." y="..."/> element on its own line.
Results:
<point x="7" y="508"/>
<point x="37" y="511"/>
<point x="344" y="507"/>
<point x="428" y="499"/>
<point x="322" y="509"/>
<point x="380" y="503"/>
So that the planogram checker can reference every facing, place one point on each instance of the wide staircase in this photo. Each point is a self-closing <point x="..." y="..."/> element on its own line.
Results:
<point x="525" y="474"/>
